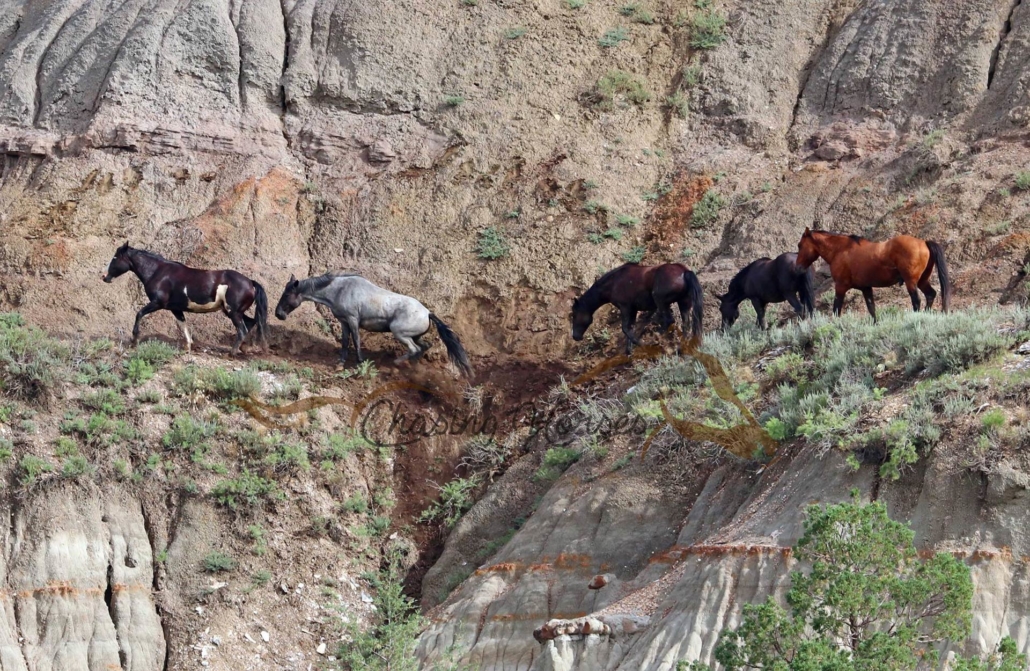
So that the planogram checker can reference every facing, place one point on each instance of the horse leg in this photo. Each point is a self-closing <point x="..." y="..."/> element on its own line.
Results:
<point x="352" y="322"/>
<point x="795" y="303"/>
<point x="152" y="306"/>
<point x="180" y="321"/>
<point x="928" y="291"/>
<point x="870" y="305"/>
<point x="760" y="310"/>
<point x="344" y="341"/>
<point x="629" y="316"/>
<point x="838" y="299"/>
<point x="414" y="351"/>
<point x="241" y="331"/>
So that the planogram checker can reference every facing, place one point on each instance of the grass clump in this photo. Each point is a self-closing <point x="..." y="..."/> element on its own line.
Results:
<point x="707" y="29"/>
<point x="706" y="211"/>
<point x="618" y="87"/>
<point x="635" y="255"/>
<point x="187" y="433"/>
<point x="456" y="497"/>
<point x="31" y="468"/>
<point x="246" y="490"/>
<point x="454" y="101"/>
<point x="515" y="33"/>
<point x="1022" y="180"/>
<point x="76" y="467"/>
<point x="678" y="104"/>
<point x="614" y="37"/>
<point x="106" y="401"/>
<point x="218" y="562"/>
<point x="556" y="461"/>
<point x="32" y="364"/>
<point x="492" y="244"/>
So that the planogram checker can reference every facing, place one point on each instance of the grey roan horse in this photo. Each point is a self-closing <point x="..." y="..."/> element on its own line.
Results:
<point x="359" y="304"/>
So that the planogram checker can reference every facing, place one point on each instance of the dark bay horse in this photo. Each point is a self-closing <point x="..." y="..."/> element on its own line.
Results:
<point x="177" y="288"/>
<point x="359" y="304"/>
<point x="857" y="263"/>
<point x="634" y="288"/>
<point x="767" y="281"/>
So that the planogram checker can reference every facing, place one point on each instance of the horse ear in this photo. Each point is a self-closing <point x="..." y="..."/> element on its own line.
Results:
<point x="293" y="280"/>
<point x="808" y="231"/>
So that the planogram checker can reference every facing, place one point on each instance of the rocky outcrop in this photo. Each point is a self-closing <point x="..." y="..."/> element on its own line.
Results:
<point x="78" y="579"/>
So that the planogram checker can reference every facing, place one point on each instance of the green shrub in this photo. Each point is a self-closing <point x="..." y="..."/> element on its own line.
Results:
<point x="246" y="490"/>
<point x="614" y="37"/>
<point x="679" y="104"/>
<point x="456" y="497"/>
<point x="454" y="101"/>
<point x="75" y="467"/>
<point x="6" y="449"/>
<point x="617" y="88"/>
<point x="706" y="211"/>
<point x="865" y="580"/>
<point x="1022" y="180"/>
<point x="97" y="374"/>
<point x="356" y="503"/>
<point x="65" y="447"/>
<point x="187" y="433"/>
<point x="31" y="467"/>
<point x="155" y="352"/>
<point x="635" y="255"/>
<point x="287" y="389"/>
<point x="217" y="562"/>
<point x="32" y="364"/>
<point x="556" y="461"/>
<point x="691" y="75"/>
<point x="228" y="386"/>
<point x="593" y="207"/>
<point x="612" y="234"/>
<point x="138" y="371"/>
<point x="626" y="220"/>
<point x="106" y="401"/>
<point x="708" y="30"/>
<point x="492" y="244"/>
<point x="339" y="445"/>
<point x="515" y="33"/>
<point x="388" y="642"/>
<point x="575" y="4"/>
<point x="99" y="430"/>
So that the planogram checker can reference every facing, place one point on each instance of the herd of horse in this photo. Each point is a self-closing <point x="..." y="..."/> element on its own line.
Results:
<point x="855" y="263"/>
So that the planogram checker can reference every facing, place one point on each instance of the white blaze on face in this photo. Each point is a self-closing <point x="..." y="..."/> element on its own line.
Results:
<point x="217" y="304"/>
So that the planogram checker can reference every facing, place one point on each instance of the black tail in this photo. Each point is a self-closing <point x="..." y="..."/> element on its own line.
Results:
<point x="261" y="311"/>
<point x="937" y="256"/>
<point x="697" y="307"/>
<point x="806" y="292"/>
<point x="455" y="351"/>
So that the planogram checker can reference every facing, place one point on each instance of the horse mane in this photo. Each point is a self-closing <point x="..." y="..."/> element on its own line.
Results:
<point x="853" y="237"/>
<point x="152" y="255"/>
<point x="738" y="279"/>
<point x="322" y="281"/>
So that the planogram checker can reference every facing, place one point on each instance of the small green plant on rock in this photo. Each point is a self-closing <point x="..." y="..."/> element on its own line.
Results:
<point x="492" y="244"/>
<point x="614" y="37"/>
<point x="218" y="562"/>
<point x="619" y="87"/>
<point x="707" y="30"/>
<point x="706" y="211"/>
<point x="456" y="497"/>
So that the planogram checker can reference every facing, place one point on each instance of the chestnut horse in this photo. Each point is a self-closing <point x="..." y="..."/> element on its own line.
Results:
<point x="857" y="263"/>
<point x="633" y="288"/>
<point x="177" y="288"/>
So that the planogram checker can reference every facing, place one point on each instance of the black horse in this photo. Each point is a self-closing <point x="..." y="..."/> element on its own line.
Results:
<point x="634" y="288"/>
<point x="178" y="288"/>
<point x="769" y="281"/>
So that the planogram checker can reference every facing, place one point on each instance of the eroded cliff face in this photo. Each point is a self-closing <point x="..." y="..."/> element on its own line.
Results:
<point x="298" y="136"/>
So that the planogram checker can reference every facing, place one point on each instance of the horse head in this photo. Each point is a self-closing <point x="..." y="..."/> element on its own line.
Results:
<point x="581" y="318"/>
<point x="290" y="300"/>
<point x="808" y="249"/>
<point x="730" y="310"/>
<point x="120" y="264"/>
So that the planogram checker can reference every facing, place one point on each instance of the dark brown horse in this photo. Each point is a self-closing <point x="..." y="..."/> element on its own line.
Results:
<point x="633" y="288"/>
<point x="857" y="263"/>
<point x="177" y="288"/>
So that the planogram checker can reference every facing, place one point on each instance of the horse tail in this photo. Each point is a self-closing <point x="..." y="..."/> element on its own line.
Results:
<point x="455" y="351"/>
<point x="261" y="311"/>
<point x="806" y="289"/>
<point x="697" y="308"/>
<point x="937" y="257"/>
